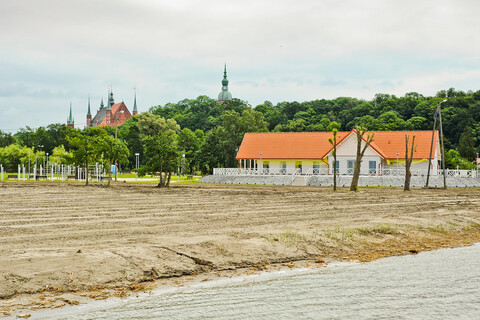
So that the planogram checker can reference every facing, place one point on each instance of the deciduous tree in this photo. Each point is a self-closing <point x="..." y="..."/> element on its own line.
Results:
<point x="83" y="149"/>
<point x="360" y="132"/>
<point x="408" y="162"/>
<point x="333" y="142"/>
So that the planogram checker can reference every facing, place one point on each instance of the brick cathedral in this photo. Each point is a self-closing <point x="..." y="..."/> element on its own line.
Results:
<point x="113" y="114"/>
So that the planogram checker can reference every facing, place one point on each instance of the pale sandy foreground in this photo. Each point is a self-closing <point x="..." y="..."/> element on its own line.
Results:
<point x="59" y="241"/>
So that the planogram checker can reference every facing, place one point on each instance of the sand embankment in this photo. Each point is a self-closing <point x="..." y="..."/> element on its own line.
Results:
<point x="96" y="241"/>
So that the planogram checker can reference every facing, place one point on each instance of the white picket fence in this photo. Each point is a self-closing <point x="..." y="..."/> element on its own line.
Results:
<point x="54" y="171"/>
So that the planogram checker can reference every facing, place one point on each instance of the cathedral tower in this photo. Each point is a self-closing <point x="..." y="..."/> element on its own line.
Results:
<point x="224" y="94"/>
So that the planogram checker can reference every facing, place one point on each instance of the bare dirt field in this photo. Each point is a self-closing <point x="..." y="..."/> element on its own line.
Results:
<point x="62" y="240"/>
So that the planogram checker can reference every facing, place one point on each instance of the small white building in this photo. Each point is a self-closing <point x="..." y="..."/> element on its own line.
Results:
<point x="311" y="152"/>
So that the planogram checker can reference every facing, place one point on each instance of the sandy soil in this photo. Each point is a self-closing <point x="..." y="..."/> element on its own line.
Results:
<point x="59" y="241"/>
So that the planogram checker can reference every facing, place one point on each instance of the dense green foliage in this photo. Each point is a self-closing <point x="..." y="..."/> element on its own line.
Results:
<point x="209" y="133"/>
<point x="160" y="138"/>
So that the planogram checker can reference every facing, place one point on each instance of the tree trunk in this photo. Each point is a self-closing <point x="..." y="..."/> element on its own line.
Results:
<point x="160" y="184"/>
<point x="167" y="184"/>
<point x="408" y="163"/>
<point x="335" y="162"/>
<point x="356" y="174"/>
<point x="360" y="152"/>
<point x="408" y="175"/>
<point x="335" y="173"/>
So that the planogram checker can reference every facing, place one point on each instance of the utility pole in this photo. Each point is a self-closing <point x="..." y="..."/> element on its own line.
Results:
<point x="116" y="125"/>
<point x="431" y="146"/>
<point x="443" y="149"/>
<point x="437" y="112"/>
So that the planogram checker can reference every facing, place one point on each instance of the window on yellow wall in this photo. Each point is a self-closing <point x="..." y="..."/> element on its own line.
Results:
<point x="283" y="166"/>
<point x="266" y="164"/>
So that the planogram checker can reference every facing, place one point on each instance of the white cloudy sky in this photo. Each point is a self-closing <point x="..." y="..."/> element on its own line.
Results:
<point x="53" y="52"/>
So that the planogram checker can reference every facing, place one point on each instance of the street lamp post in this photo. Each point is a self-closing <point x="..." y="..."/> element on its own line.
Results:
<point x="28" y="164"/>
<point x="477" y="164"/>
<point x="397" y="163"/>
<point x="46" y="167"/>
<point x="136" y="165"/>
<point x="116" y="125"/>
<point x="437" y="111"/>
<point x="183" y="163"/>
<point x="260" y="164"/>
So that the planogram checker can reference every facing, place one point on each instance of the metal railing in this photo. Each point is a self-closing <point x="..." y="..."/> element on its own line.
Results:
<point x="390" y="171"/>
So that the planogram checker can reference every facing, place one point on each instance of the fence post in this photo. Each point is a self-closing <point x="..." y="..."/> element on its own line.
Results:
<point x="23" y="171"/>
<point x="18" y="176"/>
<point x="35" y="172"/>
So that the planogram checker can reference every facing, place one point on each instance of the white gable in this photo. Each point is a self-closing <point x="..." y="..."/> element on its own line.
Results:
<point x="348" y="147"/>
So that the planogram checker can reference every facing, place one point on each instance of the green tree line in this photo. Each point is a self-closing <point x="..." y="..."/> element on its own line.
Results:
<point x="206" y="134"/>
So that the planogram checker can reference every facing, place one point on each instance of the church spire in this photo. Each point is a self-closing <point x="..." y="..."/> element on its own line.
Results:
<point x="70" y="122"/>
<point x="88" y="112"/>
<point x="225" y="80"/>
<point x="135" y="111"/>
<point x="224" y="95"/>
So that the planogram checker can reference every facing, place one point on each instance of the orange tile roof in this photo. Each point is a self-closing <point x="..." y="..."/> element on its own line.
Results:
<point x="392" y="142"/>
<point x="286" y="145"/>
<point x="315" y="145"/>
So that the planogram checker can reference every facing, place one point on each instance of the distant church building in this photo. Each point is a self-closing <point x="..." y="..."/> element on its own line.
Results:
<point x="224" y="94"/>
<point x="113" y="114"/>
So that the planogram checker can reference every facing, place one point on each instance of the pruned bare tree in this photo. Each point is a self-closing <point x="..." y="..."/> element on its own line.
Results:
<point x="333" y="142"/>
<point x="360" y="131"/>
<point x="408" y="162"/>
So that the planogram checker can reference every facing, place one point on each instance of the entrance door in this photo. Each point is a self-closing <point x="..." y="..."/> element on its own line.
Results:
<point x="298" y="165"/>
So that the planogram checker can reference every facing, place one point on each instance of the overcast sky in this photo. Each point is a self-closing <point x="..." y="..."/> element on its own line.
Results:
<point x="53" y="52"/>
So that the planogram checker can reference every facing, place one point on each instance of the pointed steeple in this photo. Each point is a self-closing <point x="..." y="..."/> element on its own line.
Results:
<point x="224" y="95"/>
<point x="111" y="101"/>
<point x="88" y="112"/>
<point x="101" y="104"/>
<point x="135" y="111"/>
<point x="70" y="118"/>
<point x="70" y="122"/>
<point x="225" y="80"/>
